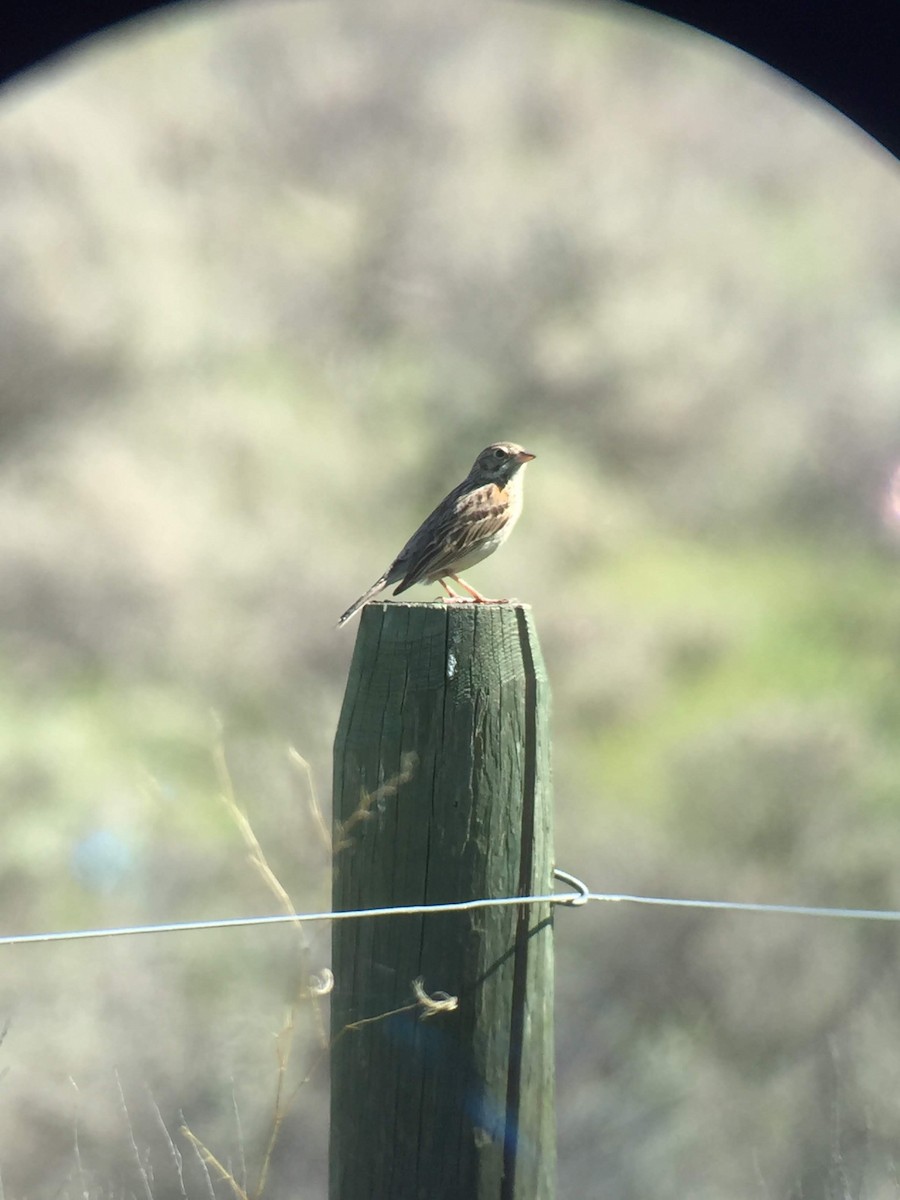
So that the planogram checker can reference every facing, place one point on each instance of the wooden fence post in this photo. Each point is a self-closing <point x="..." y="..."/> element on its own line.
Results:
<point x="442" y="794"/>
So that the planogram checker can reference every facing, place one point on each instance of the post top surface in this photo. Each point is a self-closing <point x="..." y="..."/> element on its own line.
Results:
<point x="464" y="606"/>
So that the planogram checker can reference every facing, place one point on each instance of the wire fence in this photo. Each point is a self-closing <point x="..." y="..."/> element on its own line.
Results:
<point x="579" y="896"/>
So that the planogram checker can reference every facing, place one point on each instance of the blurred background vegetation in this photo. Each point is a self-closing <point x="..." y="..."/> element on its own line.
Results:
<point x="272" y="274"/>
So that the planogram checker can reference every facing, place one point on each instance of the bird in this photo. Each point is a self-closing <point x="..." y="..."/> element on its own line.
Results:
<point x="470" y="523"/>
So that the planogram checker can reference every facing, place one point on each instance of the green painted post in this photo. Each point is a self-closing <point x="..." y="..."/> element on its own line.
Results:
<point x="441" y="794"/>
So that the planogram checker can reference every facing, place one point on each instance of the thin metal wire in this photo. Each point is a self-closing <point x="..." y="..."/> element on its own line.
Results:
<point x="787" y="910"/>
<point x="580" y="896"/>
<point x="405" y="910"/>
<point x="581" y="890"/>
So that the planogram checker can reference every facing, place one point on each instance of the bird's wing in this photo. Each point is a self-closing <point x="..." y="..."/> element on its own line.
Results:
<point x="458" y="525"/>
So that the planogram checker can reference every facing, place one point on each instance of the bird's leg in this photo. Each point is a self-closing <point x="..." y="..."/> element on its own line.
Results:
<point x="476" y="596"/>
<point x="452" y="597"/>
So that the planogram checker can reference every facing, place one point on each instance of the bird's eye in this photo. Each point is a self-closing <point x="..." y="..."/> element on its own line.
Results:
<point x="500" y="452"/>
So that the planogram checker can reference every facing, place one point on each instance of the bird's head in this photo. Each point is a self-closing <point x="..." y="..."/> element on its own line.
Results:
<point x="499" y="462"/>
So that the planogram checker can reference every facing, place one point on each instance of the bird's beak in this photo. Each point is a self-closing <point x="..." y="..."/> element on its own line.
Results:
<point x="523" y="456"/>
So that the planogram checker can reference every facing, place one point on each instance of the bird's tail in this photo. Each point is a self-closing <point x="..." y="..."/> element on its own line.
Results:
<point x="364" y="599"/>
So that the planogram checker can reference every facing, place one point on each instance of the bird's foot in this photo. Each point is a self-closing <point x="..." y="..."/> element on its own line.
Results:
<point x="473" y="596"/>
<point x="476" y="596"/>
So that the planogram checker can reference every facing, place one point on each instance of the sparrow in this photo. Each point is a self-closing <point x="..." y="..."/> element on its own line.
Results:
<point x="469" y="524"/>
